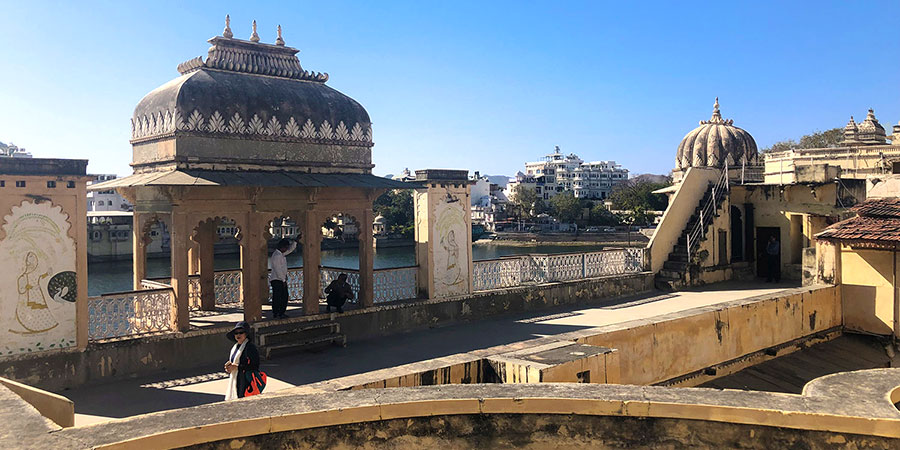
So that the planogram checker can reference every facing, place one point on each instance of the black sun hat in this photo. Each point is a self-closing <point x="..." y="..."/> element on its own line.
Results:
<point x="238" y="326"/>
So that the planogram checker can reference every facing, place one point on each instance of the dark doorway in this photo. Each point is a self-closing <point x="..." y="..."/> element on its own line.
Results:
<point x="723" y="247"/>
<point x="762" y="240"/>
<point x="737" y="235"/>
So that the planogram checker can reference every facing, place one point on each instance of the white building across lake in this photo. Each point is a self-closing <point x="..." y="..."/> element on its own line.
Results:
<point x="559" y="173"/>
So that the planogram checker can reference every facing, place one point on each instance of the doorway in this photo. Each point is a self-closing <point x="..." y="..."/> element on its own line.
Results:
<point x="763" y="234"/>
<point x="737" y="234"/>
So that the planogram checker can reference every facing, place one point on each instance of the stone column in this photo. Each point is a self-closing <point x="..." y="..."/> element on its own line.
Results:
<point x="179" y="241"/>
<point x="206" y="238"/>
<point x="252" y="251"/>
<point x="82" y="313"/>
<point x="312" y="256"/>
<point x="366" y="259"/>
<point x="443" y="233"/>
<point x="194" y="255"/>
<point x="139" y="248"/>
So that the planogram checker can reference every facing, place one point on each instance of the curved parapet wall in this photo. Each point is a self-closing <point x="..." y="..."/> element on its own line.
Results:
<point x="847" y="409"/>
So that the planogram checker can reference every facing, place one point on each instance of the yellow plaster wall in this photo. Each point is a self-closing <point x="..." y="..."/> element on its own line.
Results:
<point x="866" y="283"/>
<point x="52" y="406"/>
<point x="712" y="244"/>
<point x="603" y="368"/>
<point x="775" y="205"/>
<point x="669" y="348"/>
<point x="73" y="203"/>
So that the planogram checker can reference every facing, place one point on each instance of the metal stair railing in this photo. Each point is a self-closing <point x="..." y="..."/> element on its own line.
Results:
<point x="708" y="210"/>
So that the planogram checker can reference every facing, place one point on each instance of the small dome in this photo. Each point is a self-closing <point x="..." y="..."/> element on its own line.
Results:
<point x="714" y="142"/>
<point x="379" y="220"/>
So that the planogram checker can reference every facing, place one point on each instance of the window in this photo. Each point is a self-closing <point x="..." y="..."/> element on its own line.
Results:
<point x="70" y="184"/>
<point x="51" y="184"/>
<point x="109" y="203"/>
<point x="20" y="183"/>
<point x="2" y="183"/>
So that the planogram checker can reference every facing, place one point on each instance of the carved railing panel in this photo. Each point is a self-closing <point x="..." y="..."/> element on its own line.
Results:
<point x="227" y="286"/>
<point x="498" y="273"/>
<point x="194" y="292"/>
<point x="294" y="284"/>
<point x="395" y="284"/>
<point x="516" y="271"/>
<point x="130" y="313"/>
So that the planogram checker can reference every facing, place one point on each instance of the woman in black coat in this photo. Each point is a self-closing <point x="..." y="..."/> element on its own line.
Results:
<point x="243" y="361"/>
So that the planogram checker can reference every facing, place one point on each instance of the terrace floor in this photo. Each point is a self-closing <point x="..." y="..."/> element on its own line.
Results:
<point x="207" y="384"/>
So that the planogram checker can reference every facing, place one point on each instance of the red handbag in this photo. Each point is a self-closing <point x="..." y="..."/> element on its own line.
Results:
<point x="257" y="383"/>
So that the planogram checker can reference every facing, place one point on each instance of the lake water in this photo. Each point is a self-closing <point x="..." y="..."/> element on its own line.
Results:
<point x="105" y="277"/>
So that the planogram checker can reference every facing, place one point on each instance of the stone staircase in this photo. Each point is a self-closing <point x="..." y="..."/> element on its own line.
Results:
<point x="282" y="339"/>
<point x="673" y="275"/>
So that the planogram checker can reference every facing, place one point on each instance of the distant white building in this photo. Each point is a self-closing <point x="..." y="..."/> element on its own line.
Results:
<point x="488" y="202"/>
<point x="559" y="173"/>
<point x="106" y="200"/>
<point x="11" y="151"/>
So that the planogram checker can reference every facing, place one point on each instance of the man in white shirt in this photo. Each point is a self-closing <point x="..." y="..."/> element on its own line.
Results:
<point x="278" y="276"/>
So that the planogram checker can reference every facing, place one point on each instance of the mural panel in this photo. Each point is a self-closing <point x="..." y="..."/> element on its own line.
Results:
<point x="37" y="287"/>
<point x="451" y="254"/>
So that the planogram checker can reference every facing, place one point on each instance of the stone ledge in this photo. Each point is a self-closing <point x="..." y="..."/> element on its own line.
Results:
<point x="818" y="410"/>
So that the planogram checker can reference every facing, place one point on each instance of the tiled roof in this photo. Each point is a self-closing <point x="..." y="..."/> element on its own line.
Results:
<point x="882" y="207"/>
<point x="877" y="220"/>
<point x="864" y="229"/>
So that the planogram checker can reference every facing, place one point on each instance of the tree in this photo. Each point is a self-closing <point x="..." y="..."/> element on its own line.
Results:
<point x="566" y="208"/>
<point x="397" y="208"/>
<point x="818" y="139"/>
<point x="603" y="217"/>
<point x="631" y="195"/>
<point x="523" y="201"/>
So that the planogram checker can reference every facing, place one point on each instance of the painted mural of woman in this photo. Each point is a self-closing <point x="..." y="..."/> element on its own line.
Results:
<point x="453" y="270"/>
<point x="32" y="311"/>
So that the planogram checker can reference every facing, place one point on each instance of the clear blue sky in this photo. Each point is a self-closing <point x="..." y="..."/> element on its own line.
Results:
<point x="476" y="85"/>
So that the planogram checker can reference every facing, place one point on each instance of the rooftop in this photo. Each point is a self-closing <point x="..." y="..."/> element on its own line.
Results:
<point x="877" y="221"/>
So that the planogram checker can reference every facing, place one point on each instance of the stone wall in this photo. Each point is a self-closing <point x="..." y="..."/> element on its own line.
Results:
<point x="137" y="357"/>
<point x="545" y="431"/>
<point x="546" y="415"/>
<point x="681" y="343"/>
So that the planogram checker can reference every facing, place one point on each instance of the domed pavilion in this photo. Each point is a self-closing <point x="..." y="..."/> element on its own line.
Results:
<point x="248" y="135"/>
<point x="715" y="143"/>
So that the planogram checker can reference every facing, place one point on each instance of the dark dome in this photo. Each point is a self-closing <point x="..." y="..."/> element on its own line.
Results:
<point x="714" y="142"/>
<point x="246" y="92"/>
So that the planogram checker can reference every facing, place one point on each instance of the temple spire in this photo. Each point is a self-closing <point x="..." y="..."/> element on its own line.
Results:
<point x="227" y="32"/>
<point x="254" y="37"/>
<point x="279" y="40"/>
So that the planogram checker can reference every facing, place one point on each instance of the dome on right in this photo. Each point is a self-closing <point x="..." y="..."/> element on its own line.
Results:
<point x="715" y="142"/>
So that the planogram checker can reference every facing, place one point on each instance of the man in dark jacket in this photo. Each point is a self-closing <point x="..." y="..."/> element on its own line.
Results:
<point x="338" y="292"/>
<point x="773" y="260"/>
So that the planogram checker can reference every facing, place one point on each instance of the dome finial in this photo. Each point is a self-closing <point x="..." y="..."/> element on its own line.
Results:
<point x="227" y="32"/>
<point x="254" y="37"/>
<point x="716" y="115"/>
<point x="279" y="40"/>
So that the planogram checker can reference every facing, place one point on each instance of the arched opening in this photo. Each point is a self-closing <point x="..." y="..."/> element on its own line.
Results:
<point x="737" y="234"/>
<point x="214" y="275"/>
<point x="112" y="238"/>
<point x="285" y="227"/>
<point x="340" y="235"/>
